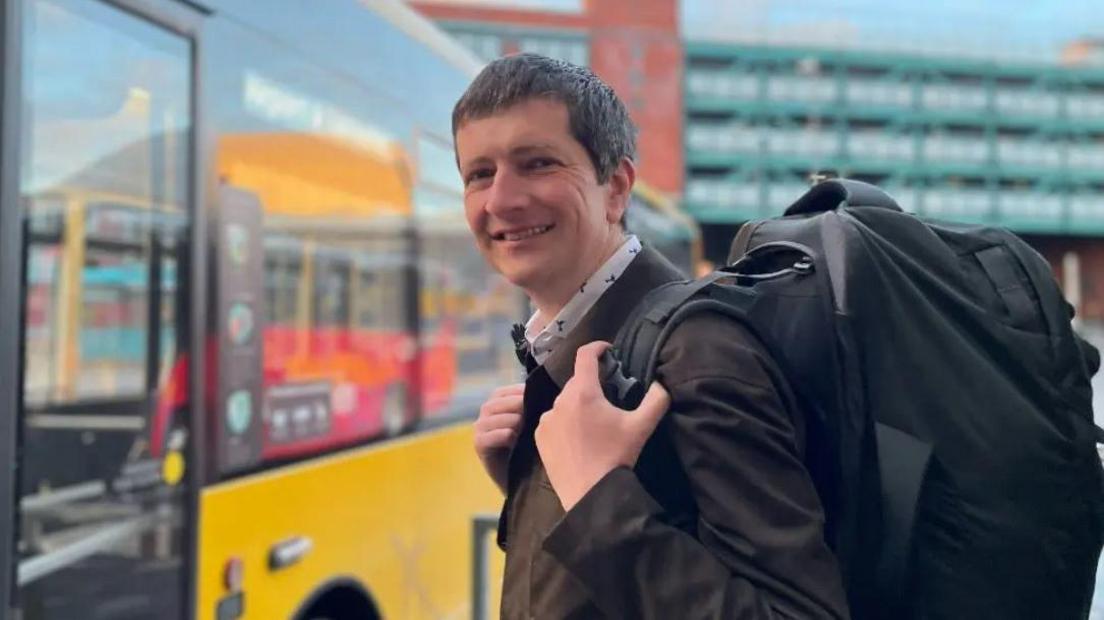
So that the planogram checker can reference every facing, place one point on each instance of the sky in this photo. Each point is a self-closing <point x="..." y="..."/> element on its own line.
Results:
<point x="1025" y="29"/>
<point x="998" y="27"/>
<point x="568" y="6"/>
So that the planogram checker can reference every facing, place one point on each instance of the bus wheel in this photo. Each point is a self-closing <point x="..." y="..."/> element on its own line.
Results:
<point x="341" y="600"/>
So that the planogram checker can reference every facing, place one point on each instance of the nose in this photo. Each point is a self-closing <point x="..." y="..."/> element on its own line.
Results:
<point x="508" y="192"/>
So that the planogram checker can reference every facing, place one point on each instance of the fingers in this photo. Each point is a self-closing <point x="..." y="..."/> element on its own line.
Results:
<point x="517" y="389"/>
<point x="506" y="399"/>
<point x="502" y="420"/>
<point x="502" y="404"/>
<point x="651" y="410"/>
<point x="586" y="364"/>
<point x="498" y="423"/>
<point x="498" y="439"/>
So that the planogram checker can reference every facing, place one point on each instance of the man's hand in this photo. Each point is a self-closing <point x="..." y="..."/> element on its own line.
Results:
<point x="496" y="430"/>
<point x="584" y="437"/>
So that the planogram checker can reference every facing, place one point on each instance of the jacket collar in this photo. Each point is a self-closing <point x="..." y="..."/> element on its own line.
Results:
<point x="649" y="270"/>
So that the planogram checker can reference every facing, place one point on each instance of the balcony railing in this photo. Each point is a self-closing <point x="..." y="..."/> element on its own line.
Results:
<point x="1044" y="101"/>
<point x="880" y="145"/>
<point x="824" y="146"/>
<point x="954" y="97"/>
<point x="1031" y="209"/>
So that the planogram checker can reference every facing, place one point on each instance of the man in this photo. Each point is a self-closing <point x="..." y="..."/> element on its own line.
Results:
<point x="712" y="515"/>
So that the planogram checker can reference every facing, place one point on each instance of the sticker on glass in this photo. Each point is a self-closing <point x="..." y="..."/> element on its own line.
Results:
<point x="237" y="243"/>
<point x="239" y="411"/>
<point x="240" y="324"/>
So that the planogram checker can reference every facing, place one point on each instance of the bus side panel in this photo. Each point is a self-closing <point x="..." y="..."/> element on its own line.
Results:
<point x="380" y="514"/>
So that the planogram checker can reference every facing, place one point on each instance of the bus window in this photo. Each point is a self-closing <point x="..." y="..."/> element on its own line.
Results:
<point x="283" y="270"/>
<point x="331" y="290"/>
<point x="382" y="273"/>
<point x="338" y="350"/>
<point x="115" y="300"/>
<point x="366" y="301"/>
<point x="105" y="203"/>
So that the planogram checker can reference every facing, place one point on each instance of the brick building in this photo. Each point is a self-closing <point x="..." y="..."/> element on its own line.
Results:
<point x="634" y="45"/>
<point x="733" y="131"/>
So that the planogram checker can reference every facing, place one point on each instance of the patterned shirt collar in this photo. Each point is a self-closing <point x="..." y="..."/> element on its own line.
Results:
<point x="544" y="342"/>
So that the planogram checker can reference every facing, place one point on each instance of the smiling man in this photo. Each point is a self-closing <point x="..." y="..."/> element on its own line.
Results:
<point x="695" y="505"/>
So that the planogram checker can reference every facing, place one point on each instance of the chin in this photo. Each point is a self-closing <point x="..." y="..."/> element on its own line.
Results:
<point x="521" y="280"/>
<point x="524" y="277"/>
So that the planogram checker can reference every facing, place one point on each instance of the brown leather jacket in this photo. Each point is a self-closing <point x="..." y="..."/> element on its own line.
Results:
<point x="719" y="519"/>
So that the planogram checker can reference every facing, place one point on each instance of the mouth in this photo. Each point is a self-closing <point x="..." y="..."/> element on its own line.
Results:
<point x="523" y="234"/>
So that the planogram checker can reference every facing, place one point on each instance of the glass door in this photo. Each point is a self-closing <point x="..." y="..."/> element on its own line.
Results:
<point x="104" y="196"/>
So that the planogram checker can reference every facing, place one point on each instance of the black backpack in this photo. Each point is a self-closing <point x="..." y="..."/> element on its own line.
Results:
<point x="949" y="402"/>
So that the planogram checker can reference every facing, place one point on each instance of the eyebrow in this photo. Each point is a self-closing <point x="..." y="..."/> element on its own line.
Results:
<point x="530" y="148"/>
<point x="478" y="161"/>
<point x="519" y="151"/>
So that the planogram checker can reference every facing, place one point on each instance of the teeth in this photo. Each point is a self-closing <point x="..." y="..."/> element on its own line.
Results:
<point x="525" y="234"/>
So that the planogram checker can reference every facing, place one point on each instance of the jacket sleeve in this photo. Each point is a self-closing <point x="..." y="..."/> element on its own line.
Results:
<point x="759" y="549"/>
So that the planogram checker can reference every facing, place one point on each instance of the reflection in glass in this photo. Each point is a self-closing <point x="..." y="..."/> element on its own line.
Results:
<point x="104" y="196"/>
<point x="375" y="305"/>
<point x="335" y="193"/>
<point x="466" y="309"/>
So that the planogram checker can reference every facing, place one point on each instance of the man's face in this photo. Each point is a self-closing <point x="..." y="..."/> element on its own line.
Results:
<point x="532" y="199"/>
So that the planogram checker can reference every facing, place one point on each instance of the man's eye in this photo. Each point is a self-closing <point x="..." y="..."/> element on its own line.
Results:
<point x="540" y="162"/>
<point x="476" y="175"/>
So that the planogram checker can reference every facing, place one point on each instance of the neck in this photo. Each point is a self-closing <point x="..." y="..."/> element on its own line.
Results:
<point x="550" y="302"/>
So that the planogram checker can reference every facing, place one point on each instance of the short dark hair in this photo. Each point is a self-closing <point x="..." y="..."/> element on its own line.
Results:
<point x="597" y="117"/>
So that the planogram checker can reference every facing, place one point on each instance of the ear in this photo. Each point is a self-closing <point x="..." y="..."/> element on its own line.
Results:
<point x="620" y="188"/>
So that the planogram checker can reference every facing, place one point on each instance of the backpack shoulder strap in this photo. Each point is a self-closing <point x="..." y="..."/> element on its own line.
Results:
<point x="999" y="267"/>
<point x="639" y="336"/>
<point x="639" y="340"/>
<point x="1052" y="305"/>
<point x="742" y="241"/>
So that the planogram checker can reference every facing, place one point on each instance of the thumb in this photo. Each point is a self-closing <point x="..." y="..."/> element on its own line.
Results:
<point x="646" y="417"/>
<point x="586" y="364"/>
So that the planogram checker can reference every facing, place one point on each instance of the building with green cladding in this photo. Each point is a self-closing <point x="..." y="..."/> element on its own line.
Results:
<point x="1017" y="145"/>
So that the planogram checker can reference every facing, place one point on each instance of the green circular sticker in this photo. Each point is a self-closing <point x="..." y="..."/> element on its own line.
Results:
<point x="239" y="411"/>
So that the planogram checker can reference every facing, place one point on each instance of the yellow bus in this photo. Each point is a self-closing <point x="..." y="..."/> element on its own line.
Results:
<point x="245" y="329"/>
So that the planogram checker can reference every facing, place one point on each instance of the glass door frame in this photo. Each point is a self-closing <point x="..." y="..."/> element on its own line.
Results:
<point x="11" y="289"/>
<point x="185" y="19"/>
